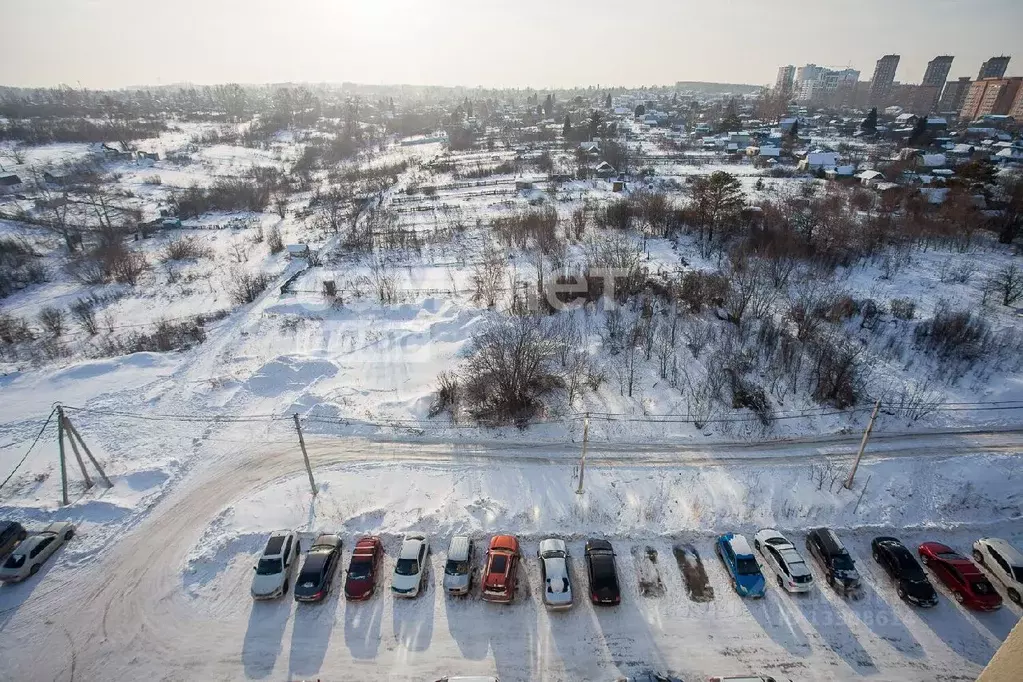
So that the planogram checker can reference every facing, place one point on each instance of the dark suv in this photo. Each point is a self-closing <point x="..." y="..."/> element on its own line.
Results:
<point x="11" y="533"/>
<point x="839" y="568"/>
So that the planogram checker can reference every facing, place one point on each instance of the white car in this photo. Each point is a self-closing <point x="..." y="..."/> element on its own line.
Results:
<point x="784" y="559"/>
<point x="1004" y="562"/>
<point x="557" y="586"/>
<point x="276" y="564"/>
<point x="410" y="569"/>
<point x="34" y="550"/>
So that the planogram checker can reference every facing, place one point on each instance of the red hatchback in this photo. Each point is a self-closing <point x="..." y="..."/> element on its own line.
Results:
<point x="500" y="573"/>
<point x="968" y="584"/>
<point x="362" y="570"/>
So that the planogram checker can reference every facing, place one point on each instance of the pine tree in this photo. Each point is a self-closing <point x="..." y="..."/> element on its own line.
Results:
<point x="640" y="110"/>
<point x="870" y="122"/>
<point x="607" y="102"/>
<point x="794" y="130"/>
<point x="919" y="132"/>
<point x="567" y="130"/>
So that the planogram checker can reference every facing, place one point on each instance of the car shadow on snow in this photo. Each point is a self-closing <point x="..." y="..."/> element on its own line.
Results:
<point x="576" y="633"/>
<point x="362" y="626"/>
<point x="310" y="636"/>
<point x="463" y="623"/>
<point x="511" y="630"/>
<point x="14" y="595"/>
<point x="774" y="617"/>
<point x="874" y="612"/>
<point x="262" y="643"/>
<point x="957" y="632"/>
<point x="413" y="618"/>
<point x="833" y="631"/>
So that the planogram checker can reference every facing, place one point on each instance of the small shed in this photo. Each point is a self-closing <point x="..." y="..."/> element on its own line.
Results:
<point x="298" y="250"/>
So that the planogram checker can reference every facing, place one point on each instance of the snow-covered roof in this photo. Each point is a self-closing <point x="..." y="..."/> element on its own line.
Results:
<point x="933" y="160"/>
<point x="870" y="175"/>
<point x="962" y="149"/>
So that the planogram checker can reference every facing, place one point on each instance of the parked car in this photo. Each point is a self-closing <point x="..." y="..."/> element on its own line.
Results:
<point x="361" y="578"/>
<point x="786" y="561"/>
<point x="317" y="575"/>
<point x="742" y="566"/>
<point x="34" y="550"/>
<point x="968" y="584"/>
<point x="556" y="582"/>
<point x="898" y="562"/>
<point x="650" y="677"/>
<point x="603" y="574"/>
<point x="410" y="569"/>
<point x="458" y="569"/>
<point x="1004" y="562"/>
<point x="11" y="533"/>
<point x="501" y="571"/>
<point x="839" y="568"/>
<point x="746" y="678"/>
<point x="275" y="565"/>
<point x="474" y="678"/>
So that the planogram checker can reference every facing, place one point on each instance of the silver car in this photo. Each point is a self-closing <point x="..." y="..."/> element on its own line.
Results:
<point x="458" y="569"/>
<point x="34" y="550"/>
<point x="557" y="586"/>
<point x="275" y="565"/>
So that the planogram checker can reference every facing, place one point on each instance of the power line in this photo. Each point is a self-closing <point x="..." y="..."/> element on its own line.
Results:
<point x="30" y="447"/>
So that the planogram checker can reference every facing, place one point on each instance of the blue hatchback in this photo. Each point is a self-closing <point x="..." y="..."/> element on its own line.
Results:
<point x="738" y="558"/>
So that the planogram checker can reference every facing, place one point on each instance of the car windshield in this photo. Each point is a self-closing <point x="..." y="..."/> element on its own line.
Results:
<point x="747" y="566"/>
<point x="456" y="567"/>
<point x="499" y="563"/>
<point x="982" y="587"/>
<point x="843" y="562"/>
<point x="269" y="567"/>
<point x="407" y="567"/>
<point x="314" y="564"/>
<point x="15" y="561"/>
<point x="554" y="554"/>
<point x="1017" y="572"/>
<point x="950" y="556"/>
<point x="359" y="570"/>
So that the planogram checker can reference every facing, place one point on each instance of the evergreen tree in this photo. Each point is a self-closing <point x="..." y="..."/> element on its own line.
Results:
<point x="567" y="130"/>
<point x="870" y="122"/>
<point x="919" y="134"/>
<point x="607" y="102"/>
<point x="640" y="110"/>
<point x="794" y="130"/>
<point x="730" y="120"/>
<point x="595" y="121"/>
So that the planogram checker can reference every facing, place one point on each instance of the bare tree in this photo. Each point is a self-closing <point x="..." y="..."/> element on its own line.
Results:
<point x="1007" y="283"/>
<point x="52" y="320"/>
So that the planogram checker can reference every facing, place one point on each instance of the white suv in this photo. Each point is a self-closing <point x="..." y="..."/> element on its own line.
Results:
<point x="410" y="569"/>
<point x="1004" y="562"/>
<point x="275" y="565"/>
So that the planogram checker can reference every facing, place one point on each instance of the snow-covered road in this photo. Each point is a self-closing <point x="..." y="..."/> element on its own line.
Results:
<point x="169" y="600"/>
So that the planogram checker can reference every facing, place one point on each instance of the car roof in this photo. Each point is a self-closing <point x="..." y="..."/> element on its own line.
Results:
<point x="830" y="541"/>
<point x="328" y="539"/>
<point x="553" y="545"/>
<point x="598" y="544"/>
<point x="410" y="547"/>
<point x="740" y="545"/>
<point x="556" y="568"/>
<point x="367" y="543"/>
<point x="1008" y="552"/>
<point x="507" y="543"/>
<point x="275" y="545"/>
<point x="458" y="550"/>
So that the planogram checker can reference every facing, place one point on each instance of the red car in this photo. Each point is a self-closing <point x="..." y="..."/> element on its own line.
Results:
<point x="361" y="580"/>
<point x="968" y="584"/>
<point x="501" y="569"/>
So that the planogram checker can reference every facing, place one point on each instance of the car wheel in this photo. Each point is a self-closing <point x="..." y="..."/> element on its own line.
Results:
<point x="1014" y="595"/>
<point x="831" y="580"/>
<point x="69" y="534"/>
<point x="284" y="588"/>
<point x="756" y="545"/>
<point x="901" y="592"/>
<point x="877" y="557"/>
<point x="22" y="535"/>
<point x="959" y="597"/>
<point x="978" y="557"/>
<point x="34" y="569"/>
<point x="924" y="559"/>
<point x="781" y="583"/>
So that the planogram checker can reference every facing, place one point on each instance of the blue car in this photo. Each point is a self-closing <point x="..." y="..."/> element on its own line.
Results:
<point x="737" y="556"/>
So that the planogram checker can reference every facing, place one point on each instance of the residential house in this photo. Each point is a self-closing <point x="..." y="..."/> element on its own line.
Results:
<point x="604" y="170"/>
<point x="870" y="177"/>
<point x="839" y="172"/>
<point x="521" y="185"/>
<point x="298" y="250"/>
<point x="10" y="183"/>
<point x="818" y="160"/>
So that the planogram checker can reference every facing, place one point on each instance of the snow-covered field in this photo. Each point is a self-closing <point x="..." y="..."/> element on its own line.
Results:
<point x="202" y="451"/>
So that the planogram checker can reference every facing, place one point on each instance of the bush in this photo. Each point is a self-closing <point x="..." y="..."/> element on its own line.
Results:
<point x="187" y="248"/>
<point x="274" y="240"/>
<point x="902" y="308"/>
<point x="702" y="289"/>
<point x="447" y="395"/>
<point x="512" y="365"/>
<point x="152" y="180"/>
<point x="84" y="312"/>
<point x="247" y="287"/>
<point x="52" y="320"/>
<point x="226" y="194"/>
<point x="835" y="374"/>
<point x="958" y="335"/>
<point x="19" y="266"/>
<point x="14" y="329"/>
<point x="168" y="336"/>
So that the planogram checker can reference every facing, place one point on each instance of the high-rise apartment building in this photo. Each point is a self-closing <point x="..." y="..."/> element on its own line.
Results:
<point x="990" y="96"/>
<point x="994" y="67"/>
<point x="786" y="78"/>
<point x="884" y="76"/>
<point x="954" y="94"/>
<point x="934" y="80"/>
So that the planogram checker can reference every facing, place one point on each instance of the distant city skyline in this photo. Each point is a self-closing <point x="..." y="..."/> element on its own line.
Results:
<point x="529" y="43"/>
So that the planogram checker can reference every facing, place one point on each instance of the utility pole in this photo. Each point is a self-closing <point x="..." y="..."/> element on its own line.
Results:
<point x="75" y="435"/>
<point x="60" y="446"/>
<point x="863" y="445"/>
<point x="305" y="455"/>
<point x="74" y="449"/>
<point x="582" y="458"/>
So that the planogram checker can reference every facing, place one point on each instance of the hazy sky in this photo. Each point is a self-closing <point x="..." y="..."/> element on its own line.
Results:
<point x="538" y="43"/>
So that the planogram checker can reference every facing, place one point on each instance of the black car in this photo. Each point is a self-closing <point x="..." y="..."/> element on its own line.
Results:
<point x="317" y="574"/>
<point x="900" y="564"/>
<point x="600" y="564"/>
<point x="839" y="568"/>
<point x="11" y="534"/>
